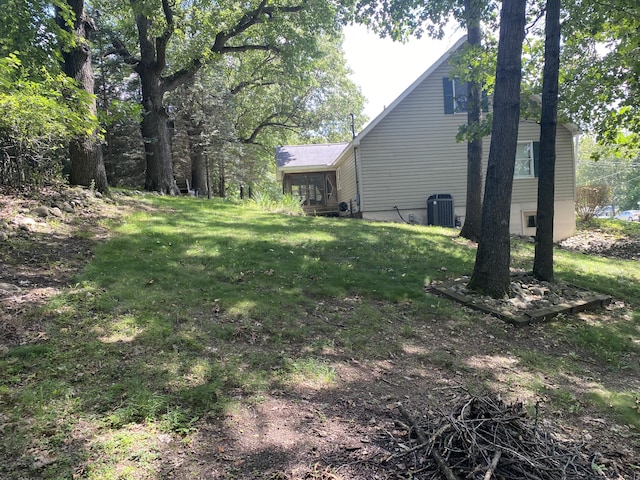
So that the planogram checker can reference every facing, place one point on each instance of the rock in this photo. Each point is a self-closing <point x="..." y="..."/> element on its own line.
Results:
<point x="56" y="212"/>
<point x="3" y="236"/>
<point x="24" y="223"/>
<point x="8" y="287"/>
<point x="66" y="206"/>
<point x="98" y="194"/>
<point x="539" y="291"/>
<point x="518" y="303"/>
<point x="42" y="211"/>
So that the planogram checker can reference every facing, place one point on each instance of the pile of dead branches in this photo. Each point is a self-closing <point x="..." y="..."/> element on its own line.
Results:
<point x="483" y="438"/>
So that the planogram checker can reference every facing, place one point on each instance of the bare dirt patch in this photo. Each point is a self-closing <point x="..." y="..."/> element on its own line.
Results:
<point x="351" y="429"/>
<point x="597" y="242"/>
<point x="42" y="249"/>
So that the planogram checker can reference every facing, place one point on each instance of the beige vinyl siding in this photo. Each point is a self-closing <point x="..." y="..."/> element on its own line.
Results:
<point x="347" y="183"/>
<point x="526" y="189"/>
<point x="524" y="197"/>
<point x="412" y="153"/>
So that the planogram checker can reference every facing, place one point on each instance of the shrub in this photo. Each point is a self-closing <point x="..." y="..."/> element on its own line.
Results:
<point x="589" y="198"/>
<point x="37" y="120"/>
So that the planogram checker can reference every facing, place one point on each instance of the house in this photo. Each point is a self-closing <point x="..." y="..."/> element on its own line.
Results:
<point x="407" y="165"/>
<point x="307" y="172"/>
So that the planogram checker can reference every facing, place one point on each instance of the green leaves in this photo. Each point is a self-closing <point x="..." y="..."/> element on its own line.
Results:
<point x="37" y="117"/>
<point x="601" y="68"/>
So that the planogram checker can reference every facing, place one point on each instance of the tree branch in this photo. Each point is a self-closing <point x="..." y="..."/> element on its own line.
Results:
<point x="163" y="40"/>
<point x="266" y="123"/>
<point x="249" y="83"/>
<point x="181" y="77"/>
<point x="246" y="48"/>
<point x="120" y="49"/>
<point x="261" y="14"/>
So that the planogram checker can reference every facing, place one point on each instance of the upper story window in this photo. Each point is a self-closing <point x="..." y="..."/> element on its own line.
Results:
<point x="455" y="95"/>
<point x="526" y="160"/>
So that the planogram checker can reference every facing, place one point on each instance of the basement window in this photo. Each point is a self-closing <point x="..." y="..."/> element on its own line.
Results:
<point x="529" y="222"/>
<point x="531" y="219"/>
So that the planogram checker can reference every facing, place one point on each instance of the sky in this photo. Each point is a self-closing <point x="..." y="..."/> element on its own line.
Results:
<point x="383" y="69"/>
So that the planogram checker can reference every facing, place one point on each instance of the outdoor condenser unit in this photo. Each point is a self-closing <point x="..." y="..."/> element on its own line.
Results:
<point x="440" y="210"/>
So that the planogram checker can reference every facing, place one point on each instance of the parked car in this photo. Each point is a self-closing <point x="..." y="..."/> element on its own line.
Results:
<point x="604" y="212"/>
<point x="629" y="215"/>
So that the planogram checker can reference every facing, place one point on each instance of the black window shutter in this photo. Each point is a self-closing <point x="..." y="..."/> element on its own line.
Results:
<point x="447" y="87"/>
<point x="536" y="157"/>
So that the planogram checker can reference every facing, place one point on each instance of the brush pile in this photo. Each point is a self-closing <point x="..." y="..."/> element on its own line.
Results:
<point x="483" y="438"/>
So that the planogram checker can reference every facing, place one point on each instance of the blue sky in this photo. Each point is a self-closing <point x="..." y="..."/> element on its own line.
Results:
<point x="384" y="69"/>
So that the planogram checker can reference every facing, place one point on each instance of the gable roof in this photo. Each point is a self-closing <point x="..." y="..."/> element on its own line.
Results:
<point x="314" y="157"/>
<point x="408" y="90"/>
<point x="319" y="157"/>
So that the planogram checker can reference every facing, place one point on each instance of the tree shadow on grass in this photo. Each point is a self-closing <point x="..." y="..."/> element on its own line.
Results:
<point x="196" y="345"/>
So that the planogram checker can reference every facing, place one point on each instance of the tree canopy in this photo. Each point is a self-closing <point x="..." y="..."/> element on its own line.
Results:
<point x="279" y="66"/>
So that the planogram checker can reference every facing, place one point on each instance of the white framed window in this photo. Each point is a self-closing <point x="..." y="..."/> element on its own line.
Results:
<point x="525" y="165"/>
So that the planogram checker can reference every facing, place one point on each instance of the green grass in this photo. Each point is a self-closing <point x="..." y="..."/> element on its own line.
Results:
<point x="192" y="301"/>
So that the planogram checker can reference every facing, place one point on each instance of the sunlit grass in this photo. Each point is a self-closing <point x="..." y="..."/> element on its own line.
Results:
<point x="624" y="404"/>
<point x="308" y="371"/>
<point x="192" y="306"/>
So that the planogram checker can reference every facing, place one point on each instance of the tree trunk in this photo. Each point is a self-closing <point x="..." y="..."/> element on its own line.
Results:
<point x="156" y="136"/>
<point x="222" y="178"/>
<point x="473" y="209"/>
<point x="85" y="152"/>
<point x="198" y="160"/>
<point x="543" y="260"/>
<point x="491" y="271"/>
<point x="155" y="127"/>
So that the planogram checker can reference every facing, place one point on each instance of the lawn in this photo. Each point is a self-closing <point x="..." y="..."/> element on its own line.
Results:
<point x="199" y="329"/>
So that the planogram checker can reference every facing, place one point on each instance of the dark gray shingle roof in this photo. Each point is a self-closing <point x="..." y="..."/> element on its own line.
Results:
<point x="322" y="154"/>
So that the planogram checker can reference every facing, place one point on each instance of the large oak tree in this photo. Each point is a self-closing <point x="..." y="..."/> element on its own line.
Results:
<point x="174" y="40"/>
<point x="85" y="151"/>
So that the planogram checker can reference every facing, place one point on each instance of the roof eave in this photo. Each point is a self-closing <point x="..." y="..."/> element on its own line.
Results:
<point x="356" y="141"/>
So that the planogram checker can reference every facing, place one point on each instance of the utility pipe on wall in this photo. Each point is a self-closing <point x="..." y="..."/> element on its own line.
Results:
<point x="355" y="160"/>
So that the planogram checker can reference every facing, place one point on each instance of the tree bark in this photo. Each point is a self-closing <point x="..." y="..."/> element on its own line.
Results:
<point x="543" y="260"/>
<point x="222" y="178"/>
<point x="157" y="142"/>
<point x="154" y="125"/>
<point x="85" y="152"/>
<point x="491" y="271"/>
<point x="473" y="209"/>
<point x="198" y="160"/>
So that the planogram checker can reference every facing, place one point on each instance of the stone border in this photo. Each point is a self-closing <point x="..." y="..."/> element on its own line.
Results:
<point x="526" y="318"/>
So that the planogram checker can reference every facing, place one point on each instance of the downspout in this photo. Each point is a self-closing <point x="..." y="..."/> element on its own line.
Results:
<point x="355" y="161"/>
